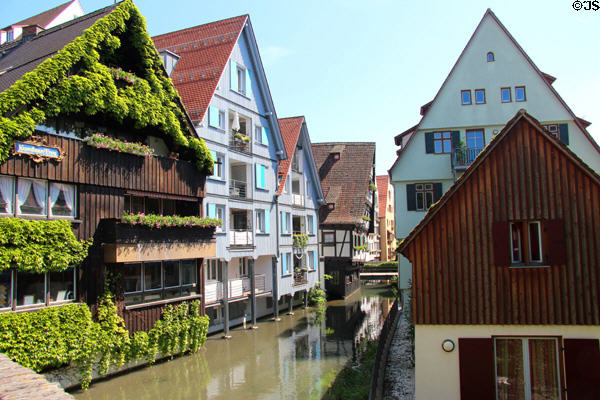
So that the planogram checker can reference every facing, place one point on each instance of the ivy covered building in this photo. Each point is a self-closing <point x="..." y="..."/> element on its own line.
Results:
<point x="95" y="148"/>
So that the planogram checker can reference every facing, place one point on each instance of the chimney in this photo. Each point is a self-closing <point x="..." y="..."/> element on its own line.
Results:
<point x="30" y="31"/>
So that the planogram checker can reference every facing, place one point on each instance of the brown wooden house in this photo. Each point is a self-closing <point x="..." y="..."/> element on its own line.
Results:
<point x="53" y="174"/>
<point x="347" y="173"/>
<point x="506" y="285"/>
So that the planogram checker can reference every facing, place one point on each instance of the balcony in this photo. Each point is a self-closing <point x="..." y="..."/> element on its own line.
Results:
<point x="260" y="282"/>
<point x="238" y="189"/>
<point x="300" y="277"/>
<point x="238" y="142"/>
<point x="213" y="291"/>
<point x="240" y="238"/>
<point x="123" y="242"/>
<point x="462" y="158"/>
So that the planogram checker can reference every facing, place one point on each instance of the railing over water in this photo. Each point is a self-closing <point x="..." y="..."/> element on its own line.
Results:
<point x="259" y="283"/>
<point x="383" y="345"/>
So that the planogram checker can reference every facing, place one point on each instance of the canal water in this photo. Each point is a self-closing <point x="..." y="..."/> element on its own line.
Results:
<point x="294" y="358"/>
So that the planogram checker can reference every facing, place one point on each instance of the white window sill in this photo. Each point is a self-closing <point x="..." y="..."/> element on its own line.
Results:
<point x="266" y="146"/>
<point x="523" y="266"/>
<point x="216" y="128"/>
<point x="263" y="233"/>
<point x="244" y="95"/>
<point x="210" y="178"/>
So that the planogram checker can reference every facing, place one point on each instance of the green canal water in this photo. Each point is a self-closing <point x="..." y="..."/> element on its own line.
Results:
<point x="294" y="358"/>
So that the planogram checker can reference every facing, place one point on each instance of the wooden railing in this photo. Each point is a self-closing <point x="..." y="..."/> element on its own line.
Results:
<point x="383" y="346"/>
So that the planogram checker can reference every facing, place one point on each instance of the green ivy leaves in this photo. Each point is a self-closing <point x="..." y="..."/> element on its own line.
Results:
<point x="39" y="246"/>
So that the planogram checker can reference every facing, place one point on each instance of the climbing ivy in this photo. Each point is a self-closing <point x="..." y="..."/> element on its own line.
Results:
<point x="39" y="245"/>
<point x="52" y="89"/>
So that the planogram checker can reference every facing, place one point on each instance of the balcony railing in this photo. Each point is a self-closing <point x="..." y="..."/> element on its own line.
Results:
<point x="297" y="199"/>
<point x="240" y="237"/>
<point x="462" y="158"/>
<point x="237" y="189"/>
<point x="236" y="287"/>
<point x="239" y="145"/>
<point x="300" y="278"/>
<point x="259" y="282"/>
<point x="213" y="291"/>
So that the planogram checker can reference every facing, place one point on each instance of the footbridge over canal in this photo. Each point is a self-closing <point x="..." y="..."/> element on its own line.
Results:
<point x="383" y="272"/>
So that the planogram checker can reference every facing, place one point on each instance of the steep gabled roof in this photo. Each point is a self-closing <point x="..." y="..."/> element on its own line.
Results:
<point x="290" y="130"/>
<point x="44" y="18"/>
<point x="26" y="56"/>
<point x="382" y="182"/>
<point x="204" y="51"/>
<point x="489" y="149"/>
<point x="345" y="181"/>
<point x="546" y="78"/>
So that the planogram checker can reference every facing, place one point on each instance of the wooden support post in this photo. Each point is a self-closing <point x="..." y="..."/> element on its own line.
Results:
<point x="226" y="301"/>
<point x="275" y="291"/>
<point x="252" y="273"/>
<point x="305" y="298"/>
<point x="291" y="304"/>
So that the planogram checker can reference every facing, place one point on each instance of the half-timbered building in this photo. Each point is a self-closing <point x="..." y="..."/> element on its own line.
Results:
<point x="506" y="279"/>
<point x="85" y="141"/>
<point x="347" y="173"/>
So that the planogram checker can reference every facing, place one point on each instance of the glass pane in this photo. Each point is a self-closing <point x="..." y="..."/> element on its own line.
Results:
<point x="428" y="199"/>
<point x="437" y="146"/>
<point x="419" y="186"/>
<point x="136" y="205"/>
<point x="419" y="201"/>
<point x="168" y="207"/>
<point x="171" y="273"/>
<point x="447" y="146"/>
<point x="5" y="290"/>
<point x="62" y="285"/>
<point x="510" y="383"/>
<point x="152" y="205"/>
<point x="31" y="197"/>
<point x="543" y="369"/>
<point x="153" y="296"/>
<point x="466" y="97"/>
<point x="437" y="135"/>
<point x="6" y="194"/>
<point x="428" y="186"/>
<point x="446" y="135"/>
<point x="152" y="278"/>
<point x="520" y="94"/>
<point x="133" y="299"/>
<point x="188" y="272"/>
<point x="516" y="241"/>
<point x="534" y="242"/>
<point x="506" y="95"/>
<point x="62" y="200"/>
<point x="172" y="293"/>
<point x="30" y="289"/>
<point x="480" y="96"/>
<point x="132" y="278"/>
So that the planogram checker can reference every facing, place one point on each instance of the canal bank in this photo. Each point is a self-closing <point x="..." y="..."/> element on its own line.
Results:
<point x="293" y="358"/>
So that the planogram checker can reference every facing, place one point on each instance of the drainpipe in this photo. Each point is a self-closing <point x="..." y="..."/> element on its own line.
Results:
<point x="275" y="289"/>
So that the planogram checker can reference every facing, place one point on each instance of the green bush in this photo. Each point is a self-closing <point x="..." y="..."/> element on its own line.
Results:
<point x="383" y="264"/>
<point x="67" y="335"/>
<point x="39" y="245"/>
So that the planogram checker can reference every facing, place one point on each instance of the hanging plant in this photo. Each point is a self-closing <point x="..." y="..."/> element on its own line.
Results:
<point x="165" y="221"/>
<point x="365" y="218"/>
<point x="121" y="75"/>
<point x="300" y="241"/>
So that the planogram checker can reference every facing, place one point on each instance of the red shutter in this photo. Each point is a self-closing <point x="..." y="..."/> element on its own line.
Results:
<point x="501" y="238"/>
<point x="476" y="366"/>
<point x="556" y="253"/>
<point x="582" y="368"/>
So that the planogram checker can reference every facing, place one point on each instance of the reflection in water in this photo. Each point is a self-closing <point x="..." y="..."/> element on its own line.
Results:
<point x="284" y="360"/>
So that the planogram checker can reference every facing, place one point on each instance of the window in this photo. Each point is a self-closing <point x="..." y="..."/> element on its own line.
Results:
<point x="465" y="97"/>
<point x="526" y="242"/>
<point x="159" y="280"/>
<point x="31" y="197"/>
<point x="424" y="193"/>
<point x="442" y="142"/>
<point x="262" y="135"/>
<point x="527" y="368"/>
<point x="10" y="35"/>
<point x="262" y="221"/>
<point x="214" y="270"/>
<point x="243" y="267"/>
<point x="328" y="237"/>
<point x="62" y="200"/>
<point x="216" y="118"/>
<point x="312" y="260"/>
<point x="219" y="165"/>
<point x="490" y="57"/>
<point x="26" y="289"/>
<point x="552" y="128"/>
<point x="520" y="93"/>
<point x="506" y="95"/>
<point x="7" y="195"/>
<point x="151" y="205"/>
<point x="286" y="222"/>
<point x="286" y="263"/>
<point x="310" y="223"/>
<point x="260" y="176"/>
<point x="241" y="80"/>
<point x="475" y="139"/>
<point x="479" y="96"/>
<point x="217" y="211"/>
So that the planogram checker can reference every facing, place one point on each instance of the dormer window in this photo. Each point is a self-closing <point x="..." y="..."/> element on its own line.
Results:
<point x="10" y="36"/>
<point x="170" y="60"/>
<point x="490" y="57"/>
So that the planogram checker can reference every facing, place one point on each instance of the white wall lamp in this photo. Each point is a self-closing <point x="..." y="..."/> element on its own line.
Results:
<point x="448" y="345"/>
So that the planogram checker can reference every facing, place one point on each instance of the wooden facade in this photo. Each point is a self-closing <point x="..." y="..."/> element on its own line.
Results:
<point x="103" y="179"/>
<point x="525" y="175"/>
<point x="341" y="260"/>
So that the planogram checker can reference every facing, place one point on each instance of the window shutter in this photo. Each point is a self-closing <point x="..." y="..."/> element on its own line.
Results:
<point x="315" y="260"/>
<point x="314" y="224"/>
<point x="411" y="201"/>
<point x="282" y="216"/>
<point x="563" y="133"/>
<point x="212" y="210"/>
<point x="429" y="142"/>
<point x="267" y="222"/>
<point x="455" y="139"/>
<point x="501" y="238"/>
<point x="213" y="117"/>
<point x="262" y="177"/>
<point x="476" y="368"/>
<point x="556" y="243"/>
<point x="233" y="69"/>
<point x="284" y="263"/>
<point x="248" y="83"/>
<point x="265" y="136"/>
<point x="437" y="191"/>
<point x="582" y="368"/>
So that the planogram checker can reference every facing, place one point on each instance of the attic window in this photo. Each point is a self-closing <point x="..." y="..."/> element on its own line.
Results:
<point x="490" y="57"/>
<point x="10" y="36"/>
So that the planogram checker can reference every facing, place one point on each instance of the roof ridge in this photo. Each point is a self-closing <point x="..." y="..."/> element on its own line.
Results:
<point x="59" y="8"/>
<point x="202" y="25"/>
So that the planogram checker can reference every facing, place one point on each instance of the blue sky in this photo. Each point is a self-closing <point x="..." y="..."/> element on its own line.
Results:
<point x="360" y="70"/>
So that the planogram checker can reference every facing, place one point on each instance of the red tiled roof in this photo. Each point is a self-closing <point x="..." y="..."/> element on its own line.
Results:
<point x="345" y="182"/>
<point x="290" y="130"/>
<point x="43" y="19"/>
<point x="204" y="51"/>
<point x="382" y="182"/>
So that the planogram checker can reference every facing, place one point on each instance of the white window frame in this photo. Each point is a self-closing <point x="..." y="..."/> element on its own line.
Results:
<point x="260" y="221"/>
<point x="311" y="259"/>
<point x="539" y="239"/>
<point x="219" y="169"/>
<point x="220" y="209"/>
<point x="241" y="79"/>
<point x="310" y="228"/>
<point x="12" y="198"/>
